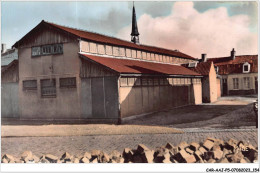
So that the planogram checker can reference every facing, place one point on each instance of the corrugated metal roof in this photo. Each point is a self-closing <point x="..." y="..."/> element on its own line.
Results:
<point x="228" y="66"/>
<point x="202" y="68"/>
<point x="127" y="66"/>
<point x="109" y="40"/>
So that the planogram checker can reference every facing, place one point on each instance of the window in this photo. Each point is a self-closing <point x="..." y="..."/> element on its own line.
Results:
<point x="156" y="81"/>
<point x="131" y="81"/>
<point x="144" y="81"/>
<point x="246" y="82"/>
<point x="30" y="85"/>
<point x="235" y="83"/>
<point x="123" y="81"/>
<point x="68" y="82"/>
<point x="36" y="51"/>
<point x="246" y="67"/>
<point x="138" y="81"/>
<point x="216" y="69"/>
<point x="48" y="88"/>
<point x="150" y="81"/>
<point x="101" y="49"/>
<point x="178" y="81"/>
<point x="57" y="48"/>
<point x="109" y="50"/>
<point x="47" y="49"/>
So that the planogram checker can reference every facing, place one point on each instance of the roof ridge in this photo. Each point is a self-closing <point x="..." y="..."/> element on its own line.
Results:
<point x="229" y="56"/>
<point x="84" y="30"/>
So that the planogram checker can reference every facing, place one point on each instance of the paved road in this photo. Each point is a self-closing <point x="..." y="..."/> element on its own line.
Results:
<point x="77" y="145"/>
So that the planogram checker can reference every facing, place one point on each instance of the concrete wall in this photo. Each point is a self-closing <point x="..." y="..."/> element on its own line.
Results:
<point x="241" y="87"/>
<point x="196" y="95"/>
<point x="66" y="104"/>
<point x="9" y="100"/>
<point x="213" y="84"/>
<point x="218" y="87"/>
<point x="136" y="100"/>
<point x="210" y="86"/>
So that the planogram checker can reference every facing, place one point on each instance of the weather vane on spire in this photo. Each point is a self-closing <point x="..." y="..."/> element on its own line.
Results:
<point x="134" y="33"/>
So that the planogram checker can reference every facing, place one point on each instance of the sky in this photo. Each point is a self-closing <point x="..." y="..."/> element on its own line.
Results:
<point x="193" y="28"/>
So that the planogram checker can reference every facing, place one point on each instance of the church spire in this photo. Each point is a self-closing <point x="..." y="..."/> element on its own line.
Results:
<point x="135" y="33"/>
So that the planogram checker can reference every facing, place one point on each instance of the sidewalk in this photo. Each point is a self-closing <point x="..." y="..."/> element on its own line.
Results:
<point x="82" y="130"/>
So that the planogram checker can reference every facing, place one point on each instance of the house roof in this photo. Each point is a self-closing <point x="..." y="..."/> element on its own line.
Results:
<point x="228" y="66"/>
<point x="8" y="57"/>
<point x="6" y="67"/>
<point x="127" y="66"/>
<point x="95" y="37"/>
<point x="202" y="68"/>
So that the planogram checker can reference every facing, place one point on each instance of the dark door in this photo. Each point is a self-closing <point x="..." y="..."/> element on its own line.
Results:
<point x="100" y="98"/>
<point x="224" y="86"/>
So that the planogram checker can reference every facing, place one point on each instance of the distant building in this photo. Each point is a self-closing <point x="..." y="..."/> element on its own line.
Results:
<point x="66" y="73"/>
<point x="211" y="88"/>
<point x="7" y="56"/>
<point x="9" y="79"/>
<point x="239" y="73"/>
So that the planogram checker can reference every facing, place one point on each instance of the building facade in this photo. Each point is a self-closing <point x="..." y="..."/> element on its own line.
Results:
<point x="239" y="73"/>
<point x="210" y="81"/>
<point x="66" y="73"/>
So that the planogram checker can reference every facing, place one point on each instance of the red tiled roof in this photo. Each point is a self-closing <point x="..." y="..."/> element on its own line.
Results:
<point x="128" y="66"/>
<point x="113" y="41"/>
<point x="202" y="68"/>
<point x="228" y="66"/>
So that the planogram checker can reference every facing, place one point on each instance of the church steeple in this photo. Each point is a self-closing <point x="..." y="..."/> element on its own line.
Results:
<point x="135" y="33"/>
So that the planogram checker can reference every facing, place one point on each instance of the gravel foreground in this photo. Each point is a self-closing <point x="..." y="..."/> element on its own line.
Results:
<point x="210" y="151"/>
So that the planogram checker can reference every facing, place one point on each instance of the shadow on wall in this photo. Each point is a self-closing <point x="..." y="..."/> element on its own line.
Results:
<point x="147" y="94"/>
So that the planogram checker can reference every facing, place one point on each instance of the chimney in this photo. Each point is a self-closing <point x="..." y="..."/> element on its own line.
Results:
<point x="203" y="57"/>
<point x="3" y="48"/>
<point x="233" y="54"/>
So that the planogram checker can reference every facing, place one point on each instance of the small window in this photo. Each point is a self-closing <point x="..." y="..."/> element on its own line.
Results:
<point x="138" y="81"/>
<point x="235" y="83"/>
<point x="178" y="81"/>
<point x="156" y="81"/>
<point x="68" y="82"/>
<point x="246" y="82"/>
<point x="48" y="88"/>
<point x="123" y="81"/>
<point x="57" y="48"/>
<point x="30" y="85"/>
<point x="47" y="50"/>
<point x="246" y="67"/>
<point x="131" y="81"/>
<point x="216" y="69"/>
<point x="182" y="81"/>
<point x="144" y="81"/>
<point x="150" y="81"/>
<point x="36" y="51"/>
